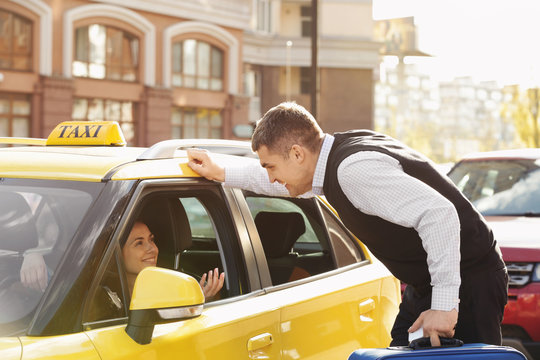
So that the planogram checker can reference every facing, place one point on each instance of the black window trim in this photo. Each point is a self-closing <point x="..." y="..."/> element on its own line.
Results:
<point x="261" y="258"/>
<point x="143" y="189"/>
<point x="258" y="252"/>
<point x="324" y="208"/>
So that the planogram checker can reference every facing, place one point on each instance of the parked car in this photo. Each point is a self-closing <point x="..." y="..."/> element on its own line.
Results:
<point x="505" y="187"/>
<point x="298" y="284"/>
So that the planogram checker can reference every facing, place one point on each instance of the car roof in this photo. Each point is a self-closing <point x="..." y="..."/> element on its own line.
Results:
<point x="525" y="153"/>
<point x="97" y="163"/>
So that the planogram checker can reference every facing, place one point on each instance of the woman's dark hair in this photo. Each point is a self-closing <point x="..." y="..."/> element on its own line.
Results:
<point x="137" y="220"/>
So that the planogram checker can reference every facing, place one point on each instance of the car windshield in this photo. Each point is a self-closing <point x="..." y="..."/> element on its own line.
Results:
<point x="500" y="187"/>
<point x="38" y="218"/>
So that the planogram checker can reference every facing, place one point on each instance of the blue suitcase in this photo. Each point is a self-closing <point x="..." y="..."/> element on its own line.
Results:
<point x="452" y="350"/>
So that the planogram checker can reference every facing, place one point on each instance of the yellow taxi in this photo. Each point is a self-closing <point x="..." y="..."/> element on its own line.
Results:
<point x="297" y="285"/>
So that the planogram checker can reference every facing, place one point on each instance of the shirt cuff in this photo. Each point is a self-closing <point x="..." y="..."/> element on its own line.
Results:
<point x="445" y="298"/>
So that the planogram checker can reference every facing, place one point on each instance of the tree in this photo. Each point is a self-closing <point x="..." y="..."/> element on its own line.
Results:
<point x="523" y="108"/>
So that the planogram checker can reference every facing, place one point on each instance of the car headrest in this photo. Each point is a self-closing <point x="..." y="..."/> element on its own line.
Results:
<point x="181" y="225"/>
<point x="279" y="231"/>
<point x="18" y="230"/>
<point x="155" y="215"/>
<point x="168" y="221"/>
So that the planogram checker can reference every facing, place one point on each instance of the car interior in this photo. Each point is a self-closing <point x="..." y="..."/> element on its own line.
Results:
<point x="291" y="231"/>
<point x="278" y="232"/>
<point x="293" y="237"/>
<point x="167" y="219"/>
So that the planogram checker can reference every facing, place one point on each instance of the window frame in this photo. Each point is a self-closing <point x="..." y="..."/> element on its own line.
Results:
<point x="196" y="127"/>
<point x="227" y="223"/>
<point x="263" y="15"/>
<point x="305" y="80"/>
<point x="196" y="77"/>
<point x="328" y="213"/>
<point x="262" y="263"/>
<point x="11" y="97"/>
<point x="11" y="52"/>
<point x="107" y="56"/>
<point x="305" y="21"/>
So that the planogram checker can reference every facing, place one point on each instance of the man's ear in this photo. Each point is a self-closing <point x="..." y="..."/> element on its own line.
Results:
<point x="298" y="153"/>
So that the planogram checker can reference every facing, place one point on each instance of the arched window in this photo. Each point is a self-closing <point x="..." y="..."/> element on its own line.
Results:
<point x="15" y="42"/>
<point x="104" y="52"/>
<point x="197" y="64"/>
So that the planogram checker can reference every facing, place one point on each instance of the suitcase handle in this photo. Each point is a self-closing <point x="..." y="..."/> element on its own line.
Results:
<point x="425" y="343"/>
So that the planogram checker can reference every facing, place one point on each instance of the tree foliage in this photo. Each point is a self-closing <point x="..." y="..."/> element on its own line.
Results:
<point x="523" y="108"/>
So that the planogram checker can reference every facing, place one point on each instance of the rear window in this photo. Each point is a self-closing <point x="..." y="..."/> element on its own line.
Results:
<point x="500" y="187"/>
<point x="38" y="219"/>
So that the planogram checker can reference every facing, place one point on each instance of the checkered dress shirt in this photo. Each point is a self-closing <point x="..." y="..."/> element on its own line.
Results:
<point x="376" y="184"/>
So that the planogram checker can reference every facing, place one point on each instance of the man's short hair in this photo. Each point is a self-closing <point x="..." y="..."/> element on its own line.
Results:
<point x="283" y="126"/>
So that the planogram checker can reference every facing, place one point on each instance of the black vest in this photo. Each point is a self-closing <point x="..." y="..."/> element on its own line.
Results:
<point x="398" y="247"/>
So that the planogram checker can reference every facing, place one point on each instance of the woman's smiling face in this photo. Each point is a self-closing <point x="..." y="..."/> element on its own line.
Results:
<point x="140" y="251"/>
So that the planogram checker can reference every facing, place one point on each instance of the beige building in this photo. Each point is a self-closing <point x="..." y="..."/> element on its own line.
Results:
<point x="174" y="69"/>
<point x="277" y="58"/>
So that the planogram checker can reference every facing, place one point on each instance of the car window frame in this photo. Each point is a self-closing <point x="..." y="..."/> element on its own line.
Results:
<point x="325" y="209"/>
<point x="190" y="186"/>
<point x="113" y="253"/>
<point x="262" y="263"/>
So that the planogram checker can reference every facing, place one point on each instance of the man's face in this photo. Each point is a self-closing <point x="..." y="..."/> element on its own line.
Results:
<point x="293" y="172"/>
<point x="140" y="251"/>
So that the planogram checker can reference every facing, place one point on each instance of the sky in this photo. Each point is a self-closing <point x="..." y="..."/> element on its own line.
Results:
<point x="487" y="39"/>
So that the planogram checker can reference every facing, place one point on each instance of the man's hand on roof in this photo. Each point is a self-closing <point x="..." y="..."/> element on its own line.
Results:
<point x="201" y="162"/>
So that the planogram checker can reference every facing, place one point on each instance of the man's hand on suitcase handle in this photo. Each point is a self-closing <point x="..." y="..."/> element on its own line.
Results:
<point x="436" y="323"/>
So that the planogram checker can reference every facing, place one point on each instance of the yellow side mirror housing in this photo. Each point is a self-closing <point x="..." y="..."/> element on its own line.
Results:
<point x="161" y="296"/>
<point x="157" y="288"/>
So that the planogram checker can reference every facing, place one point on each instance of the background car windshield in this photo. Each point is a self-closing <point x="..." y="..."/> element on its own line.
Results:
<point x="37" y="221"/>
<point x="500" y="187"/>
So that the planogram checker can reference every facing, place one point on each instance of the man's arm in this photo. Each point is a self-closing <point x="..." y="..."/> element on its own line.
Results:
<point x="246" y="173"/>
<point x="376" y="184"/>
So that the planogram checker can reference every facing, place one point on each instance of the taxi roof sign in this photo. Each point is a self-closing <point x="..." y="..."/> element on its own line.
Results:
<point x="87" y="133"/>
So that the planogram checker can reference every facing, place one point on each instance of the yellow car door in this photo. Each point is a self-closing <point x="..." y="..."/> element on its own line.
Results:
<point x="62" y="347"/>
<point x="326" y="318"/>
<point x="241" y="324"/>
<point x="333" y="297"/>
<point x="242" y="329"/>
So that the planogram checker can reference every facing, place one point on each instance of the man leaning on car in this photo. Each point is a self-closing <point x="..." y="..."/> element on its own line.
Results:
<point x="392" y="198"/>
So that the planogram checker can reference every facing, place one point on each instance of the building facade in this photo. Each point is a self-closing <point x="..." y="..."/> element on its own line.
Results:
<point x="472" y="112"/>
<point x="180" y="69"/>
<point x="277" y="59"/>
<point x="443" y="119"/>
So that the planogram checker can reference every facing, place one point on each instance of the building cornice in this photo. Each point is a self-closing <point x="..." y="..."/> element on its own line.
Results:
<point x="334" y="51"/>
<point x="235" y="14"/>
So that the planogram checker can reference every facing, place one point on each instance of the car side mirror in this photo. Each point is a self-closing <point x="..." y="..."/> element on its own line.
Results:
<point x="161" y="296"/>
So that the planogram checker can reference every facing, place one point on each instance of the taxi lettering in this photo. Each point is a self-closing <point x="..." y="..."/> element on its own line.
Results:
<point x="86" y="131"/>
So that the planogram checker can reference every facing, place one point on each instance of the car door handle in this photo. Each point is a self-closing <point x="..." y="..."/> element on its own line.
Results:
<point x="366" y="306"/>
<point x="260" y="341"/>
